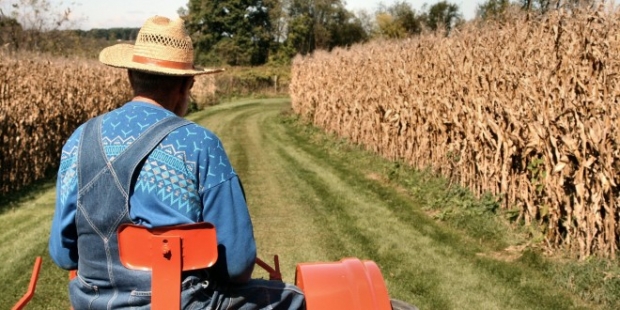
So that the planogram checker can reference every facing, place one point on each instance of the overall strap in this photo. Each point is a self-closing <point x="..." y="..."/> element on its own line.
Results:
<point x="125" y="164"/>
<point x="90" y="153"/>
<point x="142" y="147"/>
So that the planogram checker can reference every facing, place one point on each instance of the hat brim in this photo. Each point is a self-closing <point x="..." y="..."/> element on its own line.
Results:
<point x="121" y="56"/>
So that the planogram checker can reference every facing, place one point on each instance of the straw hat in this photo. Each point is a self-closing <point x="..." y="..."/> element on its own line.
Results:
<point x="162" y="47"/>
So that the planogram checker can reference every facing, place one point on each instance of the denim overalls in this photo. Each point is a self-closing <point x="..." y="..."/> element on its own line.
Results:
<point x="103" y="204"/>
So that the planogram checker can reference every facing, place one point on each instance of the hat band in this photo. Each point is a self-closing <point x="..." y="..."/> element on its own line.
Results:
<point x="163" y="63"/>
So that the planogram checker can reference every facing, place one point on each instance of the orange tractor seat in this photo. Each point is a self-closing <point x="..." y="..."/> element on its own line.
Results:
<point x="167" y="251"/>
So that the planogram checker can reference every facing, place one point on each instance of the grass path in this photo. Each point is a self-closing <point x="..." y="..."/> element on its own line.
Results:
<point x="314" y="201"/>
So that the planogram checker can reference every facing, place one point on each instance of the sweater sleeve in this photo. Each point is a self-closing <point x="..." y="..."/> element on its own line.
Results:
<point x="224" y="205"/>
<point x="226" y="208"/>
<point x="62" y="244"/>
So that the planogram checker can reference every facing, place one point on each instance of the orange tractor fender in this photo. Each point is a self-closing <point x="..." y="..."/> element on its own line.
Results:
<point x="348" y="284"/>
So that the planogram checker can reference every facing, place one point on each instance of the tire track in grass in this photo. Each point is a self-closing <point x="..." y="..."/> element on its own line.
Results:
<point x="294" y="188"/>
<point x="362" y="226"/>
<point x="451" y="272"/>
<point x="280" y="225"/>
<point x="338" y="237"/>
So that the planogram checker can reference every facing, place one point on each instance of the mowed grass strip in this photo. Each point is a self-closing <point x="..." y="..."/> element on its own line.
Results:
<point x="350" y="213"/>
<point x="280" y="224"/>
<point x="315" y="198"/>
<point x="424" y="263"/>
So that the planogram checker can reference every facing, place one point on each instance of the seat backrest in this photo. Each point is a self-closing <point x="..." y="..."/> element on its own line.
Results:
<point x="167" y="251"/>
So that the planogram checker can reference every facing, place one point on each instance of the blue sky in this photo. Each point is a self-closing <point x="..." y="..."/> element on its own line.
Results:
<point x="132" y="13"/>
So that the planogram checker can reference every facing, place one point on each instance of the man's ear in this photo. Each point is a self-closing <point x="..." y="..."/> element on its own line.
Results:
<point x="130" y="77"/>
<point x="186" y="86"/>
<point x="189" y="83"/>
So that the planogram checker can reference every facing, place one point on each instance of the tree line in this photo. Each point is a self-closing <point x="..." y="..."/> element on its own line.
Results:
<point x="257" y="32"/>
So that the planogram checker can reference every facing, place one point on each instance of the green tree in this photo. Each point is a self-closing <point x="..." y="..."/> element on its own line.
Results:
<point x="10" y="32"/>
<point x="443" y="15"/>
<point x="300" y="37"/>
<point x="398" y="21"/>
<point x="278" y="18"/>
<point x="321" y="24"/>
<point x="406" y="17"/>
<point x="544" y="6"/>
<point x="387" y="27"/>
<point x="536" y="5"/>
<point x="235" y="32"/>
<point x="367" y="21"/>
<point x="35" y="25"/>
<point x="344" y="28"/>
<point x="492" y="9"/>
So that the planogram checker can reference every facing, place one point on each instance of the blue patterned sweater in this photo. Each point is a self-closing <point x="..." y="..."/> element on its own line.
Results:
<point x="186" y="179"/>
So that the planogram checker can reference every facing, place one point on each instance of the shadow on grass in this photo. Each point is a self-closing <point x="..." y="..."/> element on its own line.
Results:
<point x="13" y="199"/>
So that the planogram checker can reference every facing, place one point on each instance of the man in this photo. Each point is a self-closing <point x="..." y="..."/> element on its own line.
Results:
<point x="144" y="164"/>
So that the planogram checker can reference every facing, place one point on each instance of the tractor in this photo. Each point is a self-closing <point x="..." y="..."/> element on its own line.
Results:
<point x="349" y="284"/>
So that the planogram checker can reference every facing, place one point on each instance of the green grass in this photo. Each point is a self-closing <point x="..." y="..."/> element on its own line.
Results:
<point x="314" y="197"/>
<point x="24" y="231"/>
<point x="481" y="236"/>
<point x="442" y="259"/>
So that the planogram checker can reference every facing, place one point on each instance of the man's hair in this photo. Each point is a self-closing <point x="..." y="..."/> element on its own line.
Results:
<point x="153" y="84"/>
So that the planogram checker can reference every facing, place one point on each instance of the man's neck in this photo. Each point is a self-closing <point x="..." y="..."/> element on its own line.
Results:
<point x="147" y="100"/>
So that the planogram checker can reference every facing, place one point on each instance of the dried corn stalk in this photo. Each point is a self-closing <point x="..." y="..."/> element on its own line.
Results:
<point x="41" y="102"/>
<point x="524" y="109"/>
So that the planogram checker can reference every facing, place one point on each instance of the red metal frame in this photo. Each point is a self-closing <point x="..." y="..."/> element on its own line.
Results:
<point x="274" y="274"/>
<point x="31" y="287"/>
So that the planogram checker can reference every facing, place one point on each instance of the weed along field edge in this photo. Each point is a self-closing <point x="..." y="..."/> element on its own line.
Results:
<point x="314" y="197"/>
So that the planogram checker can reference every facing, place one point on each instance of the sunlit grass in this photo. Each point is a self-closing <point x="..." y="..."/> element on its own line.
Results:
<point x="24" y="232"/>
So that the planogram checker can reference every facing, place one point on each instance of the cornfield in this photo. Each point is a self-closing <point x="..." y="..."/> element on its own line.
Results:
<point x="525" y="109"/>
<point x="43" y="100"/>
